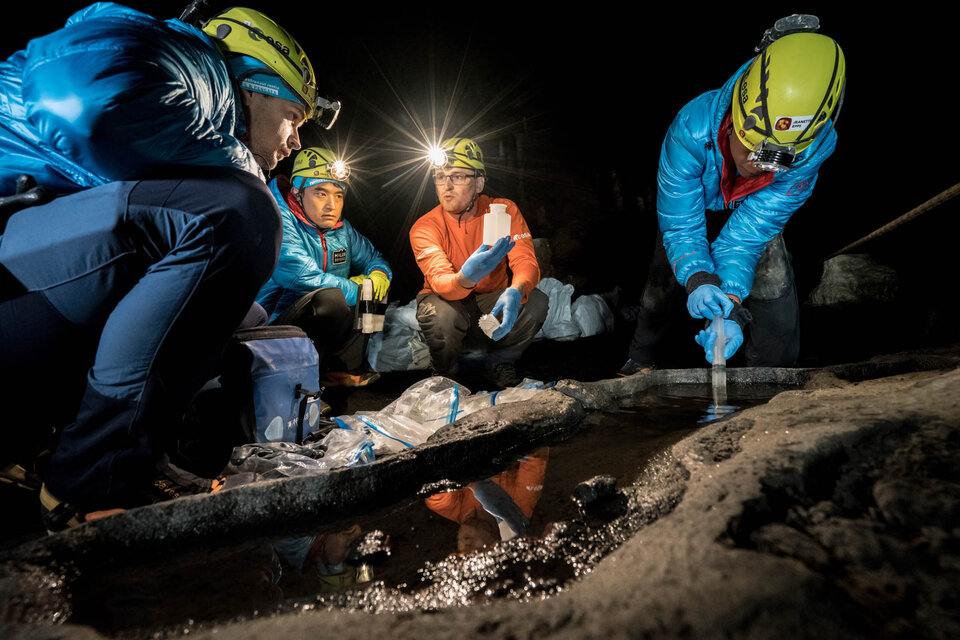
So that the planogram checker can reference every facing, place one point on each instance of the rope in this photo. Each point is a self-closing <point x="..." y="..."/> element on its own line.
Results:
<point x="933" y="202"/>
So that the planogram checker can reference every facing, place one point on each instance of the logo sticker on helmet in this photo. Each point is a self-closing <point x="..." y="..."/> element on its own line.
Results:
<point x="792" y="123"/>
<point x="256" y="33"/>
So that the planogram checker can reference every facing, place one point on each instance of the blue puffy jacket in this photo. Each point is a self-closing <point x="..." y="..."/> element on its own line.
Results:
<point x="313" y="259"/>
<point x="689" y="183"/>
<point x="114" y="95"/>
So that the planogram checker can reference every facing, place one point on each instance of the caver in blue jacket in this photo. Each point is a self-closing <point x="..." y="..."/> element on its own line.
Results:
<point x="123" y="291"/>
<point x="114" y="95"/>
<point x="691" y="165"/>
<point x="311" y="258"/>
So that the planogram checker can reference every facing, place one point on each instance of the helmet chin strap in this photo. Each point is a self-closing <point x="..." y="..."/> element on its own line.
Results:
<point x="473" y="201"/>
<point x="262" y="160"/>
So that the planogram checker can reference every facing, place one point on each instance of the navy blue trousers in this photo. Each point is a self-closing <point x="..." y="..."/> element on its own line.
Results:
<point x="123" y="299"/>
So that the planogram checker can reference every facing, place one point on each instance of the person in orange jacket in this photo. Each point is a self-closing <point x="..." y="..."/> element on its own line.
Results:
<point x="497" y="509"/>
<point x="465" y="279"/>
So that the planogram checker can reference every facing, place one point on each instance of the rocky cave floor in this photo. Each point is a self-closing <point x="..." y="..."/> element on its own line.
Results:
<point x="831" y="511"/>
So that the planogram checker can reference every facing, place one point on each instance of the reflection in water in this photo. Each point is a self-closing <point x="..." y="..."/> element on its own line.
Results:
<point x="716" y="411"/>
<point x="461" y="545"/>
<point x="496" y="509"/>
<point x="326" y="555"/>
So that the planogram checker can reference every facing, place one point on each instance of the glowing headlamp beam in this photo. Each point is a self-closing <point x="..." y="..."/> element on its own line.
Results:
<point x="339" y="170"/>
<point x="438" y="157"/>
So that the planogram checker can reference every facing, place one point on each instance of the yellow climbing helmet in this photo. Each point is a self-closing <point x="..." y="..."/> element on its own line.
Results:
<point x="787" y="97"/>
<point x="246" y="32"/>
<point x="459" y="152"/>
<point x="314" y="165"/>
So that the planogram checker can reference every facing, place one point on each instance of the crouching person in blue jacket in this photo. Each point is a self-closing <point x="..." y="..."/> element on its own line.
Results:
<point x="753" y="148"/>
<point x="323" y="263"/>
<point x="118" y="296"/>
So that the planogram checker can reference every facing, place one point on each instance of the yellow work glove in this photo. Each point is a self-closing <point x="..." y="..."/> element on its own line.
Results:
<point x="380" y="284"/>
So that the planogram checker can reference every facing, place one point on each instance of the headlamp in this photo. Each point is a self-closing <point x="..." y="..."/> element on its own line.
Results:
<point x="794" y="23"/>
<point x="438" y="157"/>
<point x="338" y="169"/>
<point x="770" y="156"/>
<point x="326" y="112"/>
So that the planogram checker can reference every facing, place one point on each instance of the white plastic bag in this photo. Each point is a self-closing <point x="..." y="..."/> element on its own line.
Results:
<point x="400" y="346"/>
<point x="559" y="324"/>
<point x="592" y="315"/>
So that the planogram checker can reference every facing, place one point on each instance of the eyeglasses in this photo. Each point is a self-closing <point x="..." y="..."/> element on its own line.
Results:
<point x="455" y="178"/>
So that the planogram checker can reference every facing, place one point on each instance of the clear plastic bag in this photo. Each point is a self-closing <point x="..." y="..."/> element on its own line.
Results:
<point x="277" y="460"/>
<point x="389" y="433"/>
<point x="347" y="447"/>
<point x="432" y="402"/>
<point x="406" y="422"/>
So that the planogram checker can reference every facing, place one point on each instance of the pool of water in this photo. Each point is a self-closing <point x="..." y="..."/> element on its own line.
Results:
<point x="411" y="556"/>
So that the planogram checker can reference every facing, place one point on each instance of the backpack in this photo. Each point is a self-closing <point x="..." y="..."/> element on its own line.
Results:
<point x="268" y="390"/>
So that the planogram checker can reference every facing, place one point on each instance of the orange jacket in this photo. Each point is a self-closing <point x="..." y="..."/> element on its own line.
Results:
<point x="522" y="481"/>
<point x="441" y="245"/>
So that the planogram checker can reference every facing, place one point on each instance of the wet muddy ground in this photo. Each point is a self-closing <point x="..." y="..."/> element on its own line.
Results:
<point x="828" y="511"/>
<point x="404" y="556"/>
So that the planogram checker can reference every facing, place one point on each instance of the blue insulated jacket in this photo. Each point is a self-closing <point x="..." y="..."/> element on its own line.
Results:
<point x="313" y="259"/>
<point x="113" y="95"/>
<point x="691" y="165"/>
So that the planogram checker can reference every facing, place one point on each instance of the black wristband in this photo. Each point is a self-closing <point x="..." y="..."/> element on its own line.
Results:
<point x="701" y="278"/>
<point x="740" y="315"/>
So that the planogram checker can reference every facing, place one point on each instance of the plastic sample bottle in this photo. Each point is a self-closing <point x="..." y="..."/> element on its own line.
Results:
<point x="719" y="377"/>
<point x="496" y="224"/>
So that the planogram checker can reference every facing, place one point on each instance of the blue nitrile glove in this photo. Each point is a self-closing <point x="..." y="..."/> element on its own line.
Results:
<point x="708" y="301"/>
<point x="509" y="304"/>
<point x="731" y="331"/>
<point x="500" y="505"/>
<point x="485" y="259"/>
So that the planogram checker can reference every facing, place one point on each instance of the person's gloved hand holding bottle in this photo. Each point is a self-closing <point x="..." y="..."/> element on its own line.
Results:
<point x="731" y="332"/>
<point x="509" y="304"/>
<point x="707" y="301"/>
<point x="485" y="259"/>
